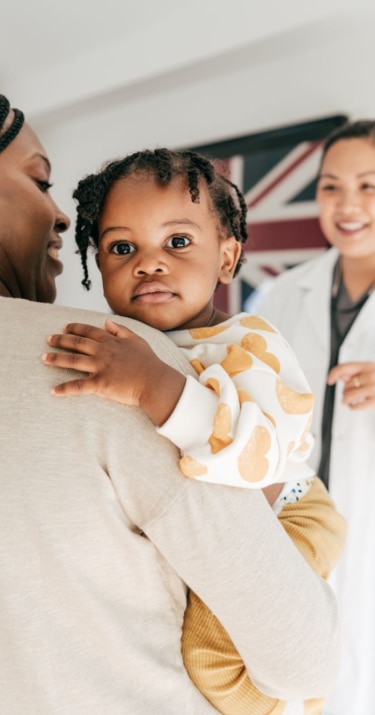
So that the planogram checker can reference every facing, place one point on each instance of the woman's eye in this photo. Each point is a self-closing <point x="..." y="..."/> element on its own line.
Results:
<point x="368" y="187"/>
<point x="44" y="185"/>
<point x="328" y="187"/>
<point x="178" y="242"/>
<point x="122" y="248"/>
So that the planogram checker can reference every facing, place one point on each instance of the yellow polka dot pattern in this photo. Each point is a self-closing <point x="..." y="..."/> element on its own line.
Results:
<point x="191" y="468"/>
<point x="197" y="366"/>
<point x="257" y="345"/>
<point x="237" y="360"/>
<point x="244" y="397"/>
<point x="220" y="436"/>
<point x="250" y="422"/>
<point x="205" y="333"/>
<point x="252" y="461"/>
<point x="294" y="403"/>
<point x="255" y="322"/>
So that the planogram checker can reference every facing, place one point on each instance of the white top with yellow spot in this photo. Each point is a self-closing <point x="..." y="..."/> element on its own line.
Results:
<point x="246" y="421"/>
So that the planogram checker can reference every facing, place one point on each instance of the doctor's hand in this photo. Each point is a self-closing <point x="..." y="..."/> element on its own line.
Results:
<point x="359" y="383"/>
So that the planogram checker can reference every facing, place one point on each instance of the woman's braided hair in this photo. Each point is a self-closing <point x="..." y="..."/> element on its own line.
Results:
<point x="15" y="126"/>
<point x="163" y="165"/>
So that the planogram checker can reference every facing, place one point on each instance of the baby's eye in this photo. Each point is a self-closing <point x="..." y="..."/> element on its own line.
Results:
<point x="44" y="185"/>
<point x="178" y="242"/>
<point x="121" y="248"/>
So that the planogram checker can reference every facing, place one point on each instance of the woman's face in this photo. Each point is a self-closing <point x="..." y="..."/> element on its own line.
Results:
<point x="31" y="222"/>
<point x="346" y="197"/>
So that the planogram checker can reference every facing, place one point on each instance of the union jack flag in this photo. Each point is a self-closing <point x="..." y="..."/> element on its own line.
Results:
<point x="279" y="183"/>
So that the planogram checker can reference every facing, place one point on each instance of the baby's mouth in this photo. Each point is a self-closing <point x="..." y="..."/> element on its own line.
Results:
<point x="153" y="292"/>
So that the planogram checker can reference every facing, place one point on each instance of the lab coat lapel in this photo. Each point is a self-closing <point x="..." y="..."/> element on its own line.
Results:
<point x="315" y="290"/>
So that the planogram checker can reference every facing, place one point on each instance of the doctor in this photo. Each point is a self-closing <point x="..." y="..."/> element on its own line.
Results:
<point x="326" y="310"/>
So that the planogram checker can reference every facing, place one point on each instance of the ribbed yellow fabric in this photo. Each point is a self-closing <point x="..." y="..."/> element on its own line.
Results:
<point x="316" y="528"/>
<point x="210" y="657"/>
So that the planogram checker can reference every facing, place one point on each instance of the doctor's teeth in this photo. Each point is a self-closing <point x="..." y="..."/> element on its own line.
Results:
<point x="351" y="226"/>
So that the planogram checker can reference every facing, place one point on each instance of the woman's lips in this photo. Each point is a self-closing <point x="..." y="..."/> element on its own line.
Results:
<point x="53" y="252"/>
<point x="351" y="226"/>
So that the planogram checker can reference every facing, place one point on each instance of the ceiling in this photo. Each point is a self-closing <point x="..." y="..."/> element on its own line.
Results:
<point x="54" y="55"/>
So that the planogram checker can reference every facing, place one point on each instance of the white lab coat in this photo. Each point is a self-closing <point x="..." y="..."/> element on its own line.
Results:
<point x="298" y="304"/>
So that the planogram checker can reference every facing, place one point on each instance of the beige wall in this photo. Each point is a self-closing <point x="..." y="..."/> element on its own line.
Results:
<point x="196" y="74"/>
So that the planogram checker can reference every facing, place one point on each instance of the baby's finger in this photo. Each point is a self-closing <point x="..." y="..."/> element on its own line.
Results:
<point x="82" y="386"/>
<point x="84" y="330"/>
<point x="73" y="342"/>
<point x="118" y="330"/>
<point x="71" y="361"/>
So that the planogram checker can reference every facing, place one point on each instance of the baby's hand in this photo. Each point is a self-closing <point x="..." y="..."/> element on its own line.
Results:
<point x="119" y="365"/>
<point x="117" y="362"/>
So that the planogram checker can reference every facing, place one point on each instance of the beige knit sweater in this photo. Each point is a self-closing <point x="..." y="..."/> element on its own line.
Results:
<point x="100" y="532"/>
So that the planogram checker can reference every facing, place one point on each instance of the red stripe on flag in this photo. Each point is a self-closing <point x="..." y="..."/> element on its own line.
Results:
<point x="290" y="234"/>
<point x="310" y="150"/>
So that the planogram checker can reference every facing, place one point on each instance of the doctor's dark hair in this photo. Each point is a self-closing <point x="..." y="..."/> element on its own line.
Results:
<point x="163" y="165"/>
<point x="14" y="128"/>
<point x="360" y="129"/>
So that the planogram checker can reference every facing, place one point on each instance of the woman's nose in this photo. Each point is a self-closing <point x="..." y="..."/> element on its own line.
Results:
<point x="348" y="200"/>
<point x="62" y="221"/>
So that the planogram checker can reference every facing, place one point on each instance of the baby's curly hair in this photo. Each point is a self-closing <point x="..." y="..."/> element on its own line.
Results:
<point x="163" y="165"/>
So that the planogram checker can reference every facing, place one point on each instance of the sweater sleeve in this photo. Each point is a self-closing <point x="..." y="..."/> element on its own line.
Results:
<point x="246" y="422"/>
<point x="235" y="556"/>
<point x="210" y="657"/>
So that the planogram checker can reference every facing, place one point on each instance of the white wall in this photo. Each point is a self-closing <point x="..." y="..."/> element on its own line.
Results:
<point x="243" y="77"/>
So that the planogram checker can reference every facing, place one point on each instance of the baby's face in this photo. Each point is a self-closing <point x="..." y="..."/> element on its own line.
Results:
<point x="161" y="255"/>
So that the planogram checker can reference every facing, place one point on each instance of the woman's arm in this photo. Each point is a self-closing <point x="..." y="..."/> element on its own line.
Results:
<point x="210" y="657"/>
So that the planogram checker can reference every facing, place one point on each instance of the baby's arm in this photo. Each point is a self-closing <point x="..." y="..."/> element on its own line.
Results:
<point x="119" y="365"/>
<point x="246" y="421"/>
<point x="210" y="657"/>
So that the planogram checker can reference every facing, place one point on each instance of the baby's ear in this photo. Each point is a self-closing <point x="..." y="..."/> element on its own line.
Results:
<point x="230" y="251"/>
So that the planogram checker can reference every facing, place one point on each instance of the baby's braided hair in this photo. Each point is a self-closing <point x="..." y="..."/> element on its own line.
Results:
<point x="15" y="126"/>
<point x="163" y="165"/>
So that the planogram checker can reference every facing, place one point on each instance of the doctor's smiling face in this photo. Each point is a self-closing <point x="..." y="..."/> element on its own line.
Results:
<point x="346" y="197"/>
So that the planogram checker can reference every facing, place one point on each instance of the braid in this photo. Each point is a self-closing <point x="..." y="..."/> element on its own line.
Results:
<point x="163" y="164"/>
<point x="4" y="109"/>
<point x="14" y="128"/>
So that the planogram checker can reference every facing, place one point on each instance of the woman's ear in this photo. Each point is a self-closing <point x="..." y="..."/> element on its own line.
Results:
<point x="97" y="259"/>
<point x="230" y="251"/>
